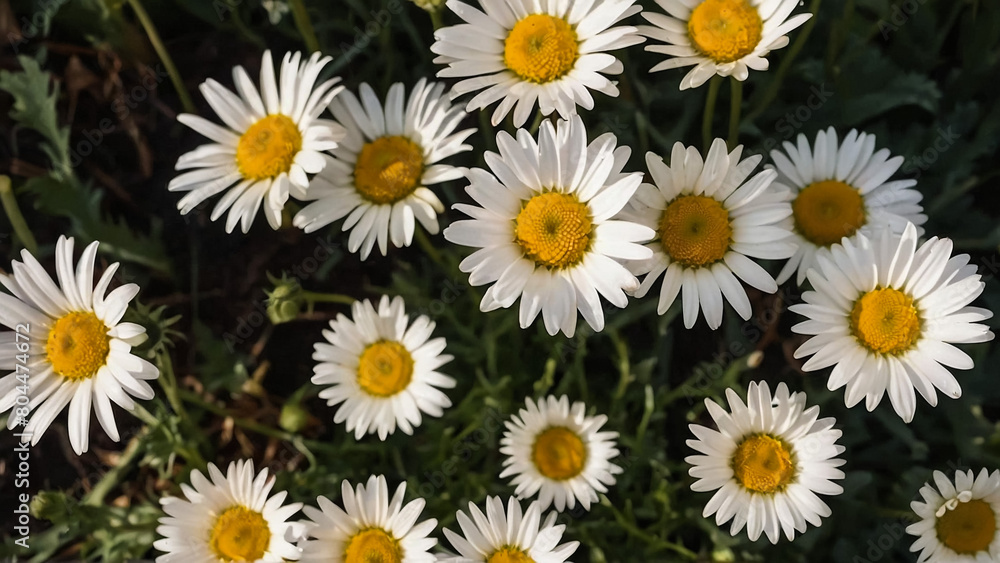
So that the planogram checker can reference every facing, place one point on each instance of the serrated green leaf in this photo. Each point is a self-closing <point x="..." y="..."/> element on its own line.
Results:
<point x="35" y="107"/>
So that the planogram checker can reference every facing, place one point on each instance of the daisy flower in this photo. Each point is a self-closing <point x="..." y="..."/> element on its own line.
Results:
<point x="558" y="452"/>
<point x="839" y="190"/>
<point x="768" y="461"/>
<point x="544" y="230"/>
<point x="719" y="37"/>
<point x="271" y="141"/>
<point x="959" y="521"/>
<point x="382" y="368"/>
<point x="230" y="518"/>
<point x="521" y="51"/>
<point x="77" y="351"/>
<point x="509" y="537"/>
<point x="885" y="314"/>
<point x="709" y="221"/>
<point x="379" y="173"/>
<point x="371" y="527"/>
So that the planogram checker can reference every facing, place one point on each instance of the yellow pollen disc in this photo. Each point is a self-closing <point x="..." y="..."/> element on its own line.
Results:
<point x="554" y="229"/>
<point x="268" y="147"/>
<point x="78" y="345"/>
<point x="388" y="169"/>
<point x="828" y="211"/>
<point x="509" y="555"/>
<point x="373" y="545"/>
<point x="885" y="321"/>
<point x="559" y="453"/>
<point x="541" y="48"/>
<point x="968" y="528"/>
<point x="385" y="368"/>
<point x="695" y="230"/>
<point x="240" y="534"/>
<point x="725" y="30"/>
<point x="763" y="464"/>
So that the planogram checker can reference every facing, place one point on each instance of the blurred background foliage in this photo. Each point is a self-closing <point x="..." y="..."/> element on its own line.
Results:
<point x="90" y="140"/>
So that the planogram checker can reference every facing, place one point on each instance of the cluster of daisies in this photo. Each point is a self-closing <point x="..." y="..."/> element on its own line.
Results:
<point x="557" y="222"/>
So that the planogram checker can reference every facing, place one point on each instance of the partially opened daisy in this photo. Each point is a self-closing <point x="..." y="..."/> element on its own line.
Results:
<point x="272" y="140"/>
<point x="839" y="190"/>
<point x="558" y="452"/>
<point x="544" y="230"/>
<point x="719" y="37"/>
<point x="710" y="220"/>
<point x="382" y="368"/>
<point x="230" y="518"/>
<point x="886" y="312"/>
<point x="68" y="346"/>
<point x="960" y="520"/>
<point x="379" y="173"/>
<point x="521" y="52"/>
<point x="508" y="537"/>
<point x="767" y="462"/>
<point x="370" y="527"/>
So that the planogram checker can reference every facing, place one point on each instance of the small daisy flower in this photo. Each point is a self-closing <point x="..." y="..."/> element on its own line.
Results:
<point x="370" y="527"/>
<point x="709" y="221"/>
<point x="558" y="452"/>
<point x="959" y="521"/>
<point x="768" y="461"/>
<point x="71" y="341"/>
<point x="544" y="230"/>
<point x="521" y="51"/>
<point x="271" y="141"/>
<point x="719" y="37"/>
<point x="499" y="537"/>
<point x="886" y="314"/>
<point x="230" y="518"/>
<point x="382" y="368"/>
<point x="379" y="173"/>
<point x="839" y="190"/>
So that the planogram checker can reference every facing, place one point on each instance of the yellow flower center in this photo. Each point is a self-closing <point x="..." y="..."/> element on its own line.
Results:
<point x="373" y="545"/>
<point x="554" y="229"/>
<point x="509" y="555"/>
<point x="268" y="147"/>
<point x="763" y="464"/>
<point x="385" y="368"/>
<point x="886" y="321"/>
<point x="541" y="48"/>
<point x="968" y="528"/>
<point x="559" y="453"/>
<point x="695" y="230"/>
<point x="78" y="345"/>
<point x="828" y="211"/>
<point x="725" y="30"/>
<point x="388" y="169"/>
<point x="240" y="534"/>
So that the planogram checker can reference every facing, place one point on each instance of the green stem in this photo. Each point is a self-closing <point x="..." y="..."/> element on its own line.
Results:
<point x="706" y="118"/>
<point x="436" y="19"/>
<point x="114" y="476"/>
<point x="735" y="105"/>
<point x="652" y="540"/>
<point x="14" y="215"/>
<point x="536" y="123"/>
<point x="428" y="247"/>
<point x="190" y="454"/>
<point x="786" y="63"/>
<point x="304" y="24"/>
<point x="314" y="297"/>
<point x="161" y="51"/>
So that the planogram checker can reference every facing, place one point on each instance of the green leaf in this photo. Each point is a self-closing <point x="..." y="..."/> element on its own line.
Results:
<point x="35" y="107"/>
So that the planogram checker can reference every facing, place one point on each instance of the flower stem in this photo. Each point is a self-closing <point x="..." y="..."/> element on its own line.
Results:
<point x="304" y="24"/>
<point x="428" y="247"/>
<point x="436" y="19"/>
<point x="706" y="118"/>
<point x="14" y="215"/>
<point x="735" y="104"/>
<point x="114" y="476"/>
<point x="161" y="51"/>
